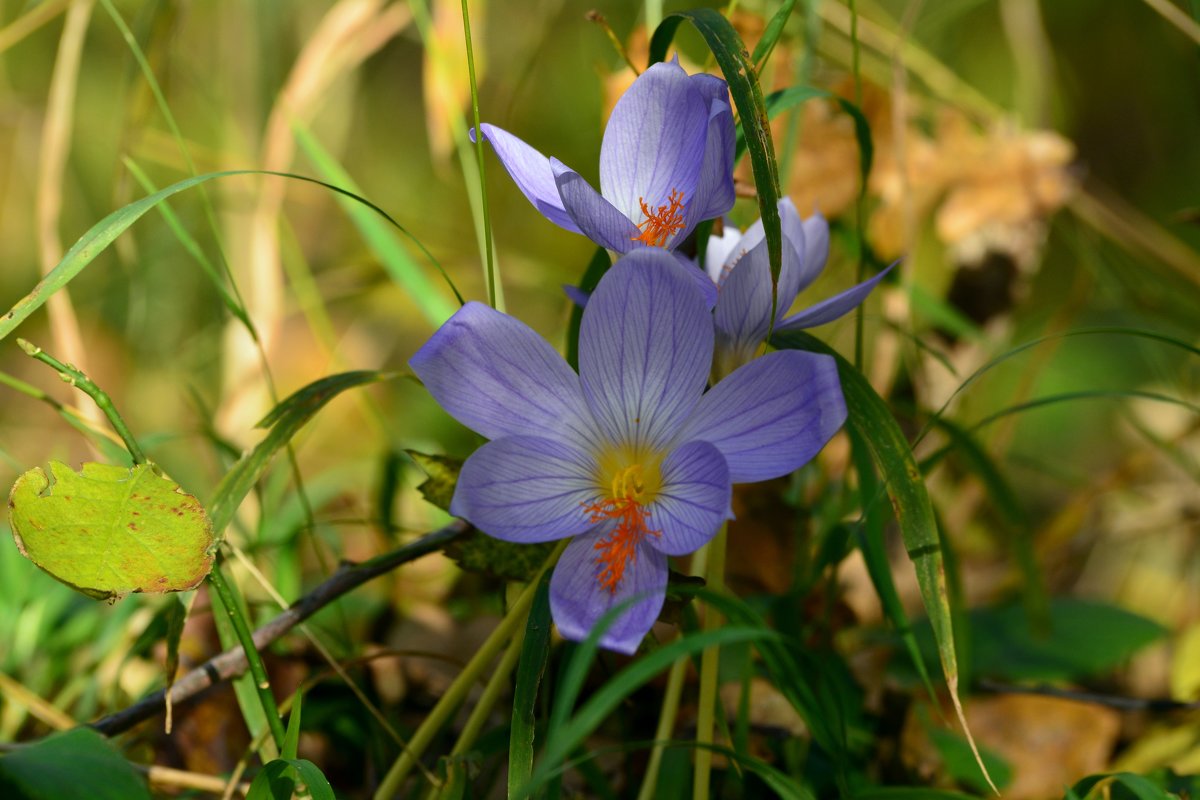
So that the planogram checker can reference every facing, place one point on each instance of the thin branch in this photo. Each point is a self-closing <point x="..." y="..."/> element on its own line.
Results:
<point x="1120" y="702"/>
<point x="233" y="662"/>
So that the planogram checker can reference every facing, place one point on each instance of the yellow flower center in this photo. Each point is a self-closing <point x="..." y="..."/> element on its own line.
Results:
<point x="627" y="486"/>
<point x="660" y="224"/>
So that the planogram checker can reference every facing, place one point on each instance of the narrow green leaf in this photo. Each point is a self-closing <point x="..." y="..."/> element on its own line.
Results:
<point x="107" y="531"/>
<point x="774" y="29"/>
<point x="284" y="420"/>
<point x="291" y="740"/>
<point x="784" y="99"/>
<point x="392" y="255"/>
<point x="562" y="740"/>
<point x="1141" y="788"/>
<point x="104" y="232"/>
<point x="742" y="78"/>
<point x="79" y="764"/>
<point x="874" y="424"/>
<point x="274" y="782"/>
<point x="535" y="651"/>
<point x="442" y="472"/>
<point x="189" y="244"/>
<point x="874" y="550"/>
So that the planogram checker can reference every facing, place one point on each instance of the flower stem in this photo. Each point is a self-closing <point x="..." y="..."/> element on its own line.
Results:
<point x="666" y="727"/>
<point x="457" y="692"/>
<point x="487" y="219"/>
<point x="709" y="662"/>
<point x="84" y="384"/>
<point x="491" y="693"/>
<point x="258" y="670"/>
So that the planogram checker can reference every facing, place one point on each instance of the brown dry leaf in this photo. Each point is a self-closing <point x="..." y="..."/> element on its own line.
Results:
<point x="1049" y="742"/>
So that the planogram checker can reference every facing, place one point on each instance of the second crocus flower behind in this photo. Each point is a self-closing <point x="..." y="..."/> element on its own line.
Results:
<point x="739" y="265"/>
<point x="666" y="163"/>
<point x="631" y="456"/>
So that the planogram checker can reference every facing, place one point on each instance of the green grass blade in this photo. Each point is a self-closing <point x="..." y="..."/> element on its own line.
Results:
<point x="562" y="740"/>
<point x="190" y="244"/>
<point x="535" y="651"/>
<point x="778" y="102"/>
<point x="284" y="420"/>
<point x="871" y="543"/>
<point x="774" y="29"/>
<point x="873" y="422"/>
<point x="742" y="78"/>
<point x="394" y="257"/>
<point x="104" y="232"/>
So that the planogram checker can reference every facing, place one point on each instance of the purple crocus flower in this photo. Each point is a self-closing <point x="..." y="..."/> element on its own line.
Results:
<point x="631" y="456"/>
<point x="739" y="265"/>
<point x="666" y="163"/>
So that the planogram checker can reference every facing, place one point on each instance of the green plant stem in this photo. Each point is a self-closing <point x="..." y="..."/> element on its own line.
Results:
<point x="83" y="383"/>
<point x="487" y="701"/>
<point x="709" y="662"/>
<point x="665" y="729"/>
<point x="858" y="203"/>
<point x="487" y="217"/>
<point x="457" y="692"/>
<point x="262" y="683"/>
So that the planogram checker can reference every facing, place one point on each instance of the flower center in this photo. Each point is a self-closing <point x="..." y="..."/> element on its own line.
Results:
<point x="633" y="487"/>
<point x="660" y="225"/>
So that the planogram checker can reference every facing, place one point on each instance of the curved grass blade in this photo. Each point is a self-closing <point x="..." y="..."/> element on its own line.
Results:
<point x="1000" y="359"/>
<point x="873" y="422"/>
<point x="535" y="651"/>
<point x="870" y="542"/>
<point x="561" y="739"/>
<point x="104" y="232"/>
<point x="275" y="783"/>
<point x="284" y="420"/>
<point x="742" y="78"/>
<point x="774" y="29"/>
<point x="778" y="102"/>
<point x="395" y="259"/>
<point x="782" y="784"/>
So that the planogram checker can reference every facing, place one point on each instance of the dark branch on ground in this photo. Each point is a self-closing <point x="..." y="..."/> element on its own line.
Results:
<point x="232" y="663"/>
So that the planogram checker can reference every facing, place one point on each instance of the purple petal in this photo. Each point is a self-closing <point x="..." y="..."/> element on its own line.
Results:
<point x="714" y="193"/>
<point x="699" y="277"/>
<point x="531" y="172"/>
<point x="771" y="416"/>
<point x="578" y="599"/>
<point x="595" y="217"/>
<point x="816" y="249"/>
<point x="526" y="489"/>
<point x="645" y="348"/>
<point x="743" y="311"/>
<point x="693" y="501"/>
<point x="576" y="295"/>
<point x="493" y="374"/>
<point x="654" y="142"/>
<point x="834" y="307"/>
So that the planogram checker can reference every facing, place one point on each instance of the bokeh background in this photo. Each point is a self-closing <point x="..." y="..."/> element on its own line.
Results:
<point x="1035" y="165"/>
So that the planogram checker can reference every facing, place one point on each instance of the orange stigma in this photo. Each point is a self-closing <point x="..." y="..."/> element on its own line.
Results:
<point x="619" y="548"/>
<point x="663" y="223"/>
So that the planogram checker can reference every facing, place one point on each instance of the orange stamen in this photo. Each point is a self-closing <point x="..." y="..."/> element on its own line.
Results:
<point x="663" y="223"/>
<point x="619" y="548"/>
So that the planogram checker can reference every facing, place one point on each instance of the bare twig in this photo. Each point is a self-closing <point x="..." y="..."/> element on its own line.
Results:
<point x="232" y="662"/>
